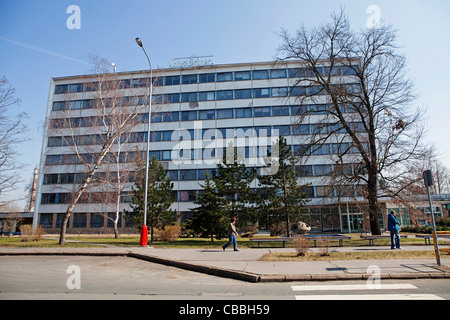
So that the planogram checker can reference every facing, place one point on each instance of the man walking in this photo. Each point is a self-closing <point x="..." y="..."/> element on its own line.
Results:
<point x="393" y="227"/>
<point x="232" y="233"/>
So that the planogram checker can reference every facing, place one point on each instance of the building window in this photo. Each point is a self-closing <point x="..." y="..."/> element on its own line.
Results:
<point x="46" y="220"/>
<point x="278" y="74"/>
<point x="207" y="77"/>
<point x="243" y="94"/>
<point x="298" y="91"/>
<point x="67" y="178"/>
<point x="173" y="98"/>
<point x="322" y="170"/>
<point x="243" y="112"/>
<point x="207" y="114"/>
<point x="60" y="219"/>
<point x="189" y="79"/>
<point x="260" y="74"/>
<point x="173" y="175"/>
<point x="188" y="195"/>
<point x="224" y="113"/>
<point x="225" y="95"/>
<point x="172" y="80"/>
<point x="261" y="93"/>
<point x="302" y="129"/>
<point x="166" y="155"/>
<point x="225" y="76"/>
<point x="280" y="111"/>
<point x="54" y="141"/>
<point x="242" y="75"/>
<point x="154" y="154"/>
<point x="186" y="175"/>
<point x="324" y="192"/>
<point x="206" y="96"/>
<point x="283" y="130"/>
<point x="189" y="115"/>
<point x="280" y="92"/>
<point x="79" y="220"/>
<point x="111" y="218"/>
<point x="96" y="221"/>
<point x="262" y="111"/>
<point x="304" y="171"/>
<point x="189" y="97"/>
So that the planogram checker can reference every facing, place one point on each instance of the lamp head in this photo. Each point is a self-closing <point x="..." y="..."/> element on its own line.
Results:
<point x="139" y="42"/>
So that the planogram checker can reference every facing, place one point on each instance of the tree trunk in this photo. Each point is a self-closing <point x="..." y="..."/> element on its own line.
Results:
<point x="84" y="185"/>
<point x="372" y="198"/>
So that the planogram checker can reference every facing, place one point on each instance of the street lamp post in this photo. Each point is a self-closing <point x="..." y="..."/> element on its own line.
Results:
<point x="144" y="230"/>
<point x="428" y="179"/>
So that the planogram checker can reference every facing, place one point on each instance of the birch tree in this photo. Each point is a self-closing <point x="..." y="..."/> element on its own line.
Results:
<point x="115" y="115"/>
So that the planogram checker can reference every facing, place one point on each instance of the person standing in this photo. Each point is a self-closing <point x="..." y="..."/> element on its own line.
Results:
<point x="232" y="233"/>
<point x="393" y="227"/>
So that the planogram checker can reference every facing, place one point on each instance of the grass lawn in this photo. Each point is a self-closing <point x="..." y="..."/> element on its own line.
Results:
<point x="16" y="242"/>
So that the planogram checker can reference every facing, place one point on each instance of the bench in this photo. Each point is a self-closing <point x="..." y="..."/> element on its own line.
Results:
<point x="443" y="234"/>
<point x="383" y="236"/>
<point x="280" y="239"/>
<point x="428" y="237"/>
<point x="339" y="237"/>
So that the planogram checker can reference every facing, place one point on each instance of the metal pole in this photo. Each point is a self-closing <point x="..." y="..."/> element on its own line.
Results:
<point x="144" y="232"/>
<point x="428" y="178"/>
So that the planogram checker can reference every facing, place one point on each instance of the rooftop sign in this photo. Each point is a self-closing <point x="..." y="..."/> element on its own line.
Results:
<point x="192" y="61"/>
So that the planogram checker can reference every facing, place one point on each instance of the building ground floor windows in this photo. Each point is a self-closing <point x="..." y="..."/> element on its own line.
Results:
<point x="342" y="218"/>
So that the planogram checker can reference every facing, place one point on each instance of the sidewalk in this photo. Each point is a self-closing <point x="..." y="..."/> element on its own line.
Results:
<point x="246" y="264"/>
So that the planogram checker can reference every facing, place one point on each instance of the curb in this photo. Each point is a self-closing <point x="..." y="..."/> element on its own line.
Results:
<point x="355" y="276"/>
<point x="234" y="274"/>
<point x="226" y="273"/>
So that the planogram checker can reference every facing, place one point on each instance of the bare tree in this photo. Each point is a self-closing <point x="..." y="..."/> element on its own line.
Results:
<point x="115" y="115"/>
<point x="354" y="86"/>
<point x="11" y="134"/>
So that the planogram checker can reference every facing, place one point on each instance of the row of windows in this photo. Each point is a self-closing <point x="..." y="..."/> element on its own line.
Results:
<point x="209" y="77"/>
<point x="185" y="175"/>
<point x="213" y="154"/>
<point x="80" y="220"/>
<point x="71" y="178"/>
<point x="207" y="134"/>
<point x="87" y="197"/>
<point x="191" y="97"/>
<point x="209" y="114"/>
<point x="191" y="195"/>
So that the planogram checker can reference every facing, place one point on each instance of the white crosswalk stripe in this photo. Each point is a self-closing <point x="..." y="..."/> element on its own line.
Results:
<point x="370" y="292"/>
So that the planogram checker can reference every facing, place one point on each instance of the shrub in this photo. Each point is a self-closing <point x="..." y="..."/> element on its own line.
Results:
<point x="27" y="233"/>
<point x="170" y="233"/>
<point x="301" y="245"/>
<point x="325" y="244"/>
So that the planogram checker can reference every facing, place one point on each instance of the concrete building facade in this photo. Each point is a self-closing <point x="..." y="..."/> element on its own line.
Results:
<point x="197" y="111"/>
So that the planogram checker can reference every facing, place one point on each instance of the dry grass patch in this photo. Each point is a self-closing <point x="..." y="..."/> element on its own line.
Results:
<point x="367" y="255"/>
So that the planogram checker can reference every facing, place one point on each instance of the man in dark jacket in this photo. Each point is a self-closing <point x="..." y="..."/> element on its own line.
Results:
<point x="393" y="227"/>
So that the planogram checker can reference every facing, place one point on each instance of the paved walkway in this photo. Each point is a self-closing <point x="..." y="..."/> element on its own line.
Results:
<point x="246" y="264"/>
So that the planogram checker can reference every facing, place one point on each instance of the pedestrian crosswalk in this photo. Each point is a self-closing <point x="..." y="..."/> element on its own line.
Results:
<point x="361" y="292"/>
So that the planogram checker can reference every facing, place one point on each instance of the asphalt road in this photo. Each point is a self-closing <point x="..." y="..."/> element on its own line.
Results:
<point x="110" y="278"/>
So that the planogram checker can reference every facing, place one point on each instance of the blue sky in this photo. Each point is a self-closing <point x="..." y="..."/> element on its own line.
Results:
<point x="36" y="45"/>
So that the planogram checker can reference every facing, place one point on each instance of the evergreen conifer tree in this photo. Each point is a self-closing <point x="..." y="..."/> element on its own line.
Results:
<point x="209" y="219"/>
<point x="159" y="199"/>
<point x="282" y="198"/>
